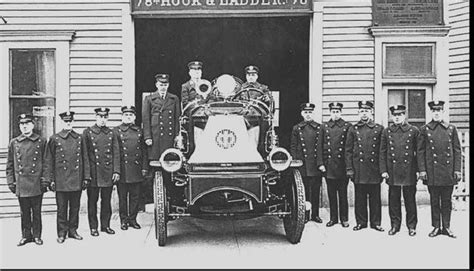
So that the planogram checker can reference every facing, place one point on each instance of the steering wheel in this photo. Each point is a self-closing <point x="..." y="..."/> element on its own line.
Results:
<point x="248" y="90"/>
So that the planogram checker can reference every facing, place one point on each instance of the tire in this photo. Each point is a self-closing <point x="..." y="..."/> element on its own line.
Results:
<point x="161" y="209"/>
<point x="294" y="223"/>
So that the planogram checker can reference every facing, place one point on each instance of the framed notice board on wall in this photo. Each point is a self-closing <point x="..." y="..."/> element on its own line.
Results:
<point x="407" y="12"/>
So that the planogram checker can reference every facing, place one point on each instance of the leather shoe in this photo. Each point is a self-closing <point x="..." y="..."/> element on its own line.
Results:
<point x="377" y="228"/>
<point x="124" y="226"/>
<point x="108" y="230"/>
<point x="75" y="235"/>
<point x="24" y="241"/>
<point x="331" y="223"/>
<point x="435" y="232"/>
<point x="94" y="232"/>
<point x="61" y="239"/>
<point x="317" y="219"/>
<point x="359" y="227"/>
<point x="345" y="224"/>
<point x="393" y="231"/>
<point x="38" y="241"/>
<point x="411" y="232"/>
<point x="449" y="233"/>
<point x="135" y="225"/>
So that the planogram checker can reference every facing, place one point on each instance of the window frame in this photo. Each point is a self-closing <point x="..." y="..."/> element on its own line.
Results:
<point x="408" y="44"/>
<point x="428" y="97"/>
<point x="60" y="44"/>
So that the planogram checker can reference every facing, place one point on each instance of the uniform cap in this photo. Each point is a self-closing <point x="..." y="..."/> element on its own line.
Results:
<point x="436" y="104"/>
<point x="25" y="118"/>
<point x="162" y="77"/>
<point x="67" y="116"/>
<point x="251" y="69"/>
<point x="103" y="111"/>
<point x="307" y="107"/>
<point x="398" y="109"/>
<point x="129" y="108"/>
<point x="195" y="65"/>
<point x="336" y="106"/>
<point x="366" y="104"/>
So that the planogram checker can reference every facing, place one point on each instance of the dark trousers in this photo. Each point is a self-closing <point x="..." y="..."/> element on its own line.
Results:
<point x="105" y="206"/>
<point x="30" y="208"/>
<point x="338" y="187"/>
<point x="441" y="205"/>
<point x="129" y="194"/>
<point x="312" y="187"/>
<point x="67" y="201"/>
<point x="395" y="205"/>
<point x="372" y="192"/>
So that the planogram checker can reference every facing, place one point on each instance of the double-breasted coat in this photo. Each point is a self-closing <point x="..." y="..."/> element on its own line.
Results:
<point x="103" y="157"/>
<point x="133" y="156"/>
<point x="306" y="145"/>
<point x="27" y="165"/>
<point x="362" y="152"/>
<point x="334" y="143"/>
<point x="160" y="122"/>
<point x="398" y="149"/>
<point x="66" y="157"/>
<point x="439" y="153"/>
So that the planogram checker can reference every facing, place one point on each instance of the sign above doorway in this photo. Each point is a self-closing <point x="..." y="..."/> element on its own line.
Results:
<point x="211" y="8"/>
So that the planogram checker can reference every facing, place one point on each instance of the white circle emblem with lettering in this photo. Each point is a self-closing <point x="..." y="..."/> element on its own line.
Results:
<point x="226" y="139"/>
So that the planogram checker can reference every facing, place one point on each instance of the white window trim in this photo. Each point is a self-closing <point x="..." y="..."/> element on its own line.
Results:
<point x="428" y="97"/>
<point x="21" y="40"/>
<point x="421" y="35"/>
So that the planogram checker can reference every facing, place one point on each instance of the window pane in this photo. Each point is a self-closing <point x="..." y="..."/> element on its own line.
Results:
<point x="42" y="109"/>
<point x="408" y="60"/>
<point x="396" y="97"/>
<point x="32" y="72"/>
<point x="416" y="104"/>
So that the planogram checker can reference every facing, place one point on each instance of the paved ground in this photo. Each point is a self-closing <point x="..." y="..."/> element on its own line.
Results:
<point x="260" y="243"/>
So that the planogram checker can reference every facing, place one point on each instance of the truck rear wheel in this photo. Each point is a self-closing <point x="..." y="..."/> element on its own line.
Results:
<point x="294" y="223"/>
<point x="161" y="209"/>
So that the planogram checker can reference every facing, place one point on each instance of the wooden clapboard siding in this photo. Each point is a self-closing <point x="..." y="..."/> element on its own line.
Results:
<point x="95" y="61"/>
<point x="459" y="63"/>
<point x="348" y="56"/>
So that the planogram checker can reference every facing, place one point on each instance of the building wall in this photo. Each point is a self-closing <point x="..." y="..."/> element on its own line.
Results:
<point x="348" y="56"/>
<point x="97" y="58"/>
<point x="459" y="63"/>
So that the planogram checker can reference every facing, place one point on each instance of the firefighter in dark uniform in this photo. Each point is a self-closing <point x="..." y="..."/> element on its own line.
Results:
<point x="362" y="167"/>
<point x="439" y="163"/>
<point x="251" y="75"/>
<point x="188" y="89"/>
<point x="160" y="113"/>
<point x="103" y="160"/>
<point x="334" y="140"/>
<point x="66" y="154"/>
<point x="398" y="167"/>
<point x="306" y="143"/>
<point x="133" y="167"/>
<point x="26" y="172"/>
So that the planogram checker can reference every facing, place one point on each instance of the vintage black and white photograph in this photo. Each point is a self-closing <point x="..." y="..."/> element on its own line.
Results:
<point x="218" y="134"/>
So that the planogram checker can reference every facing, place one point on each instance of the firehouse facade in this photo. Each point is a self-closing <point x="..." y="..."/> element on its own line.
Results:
<point x="78" y="55"/>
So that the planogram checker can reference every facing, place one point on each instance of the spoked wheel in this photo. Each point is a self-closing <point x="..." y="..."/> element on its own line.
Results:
<point x="294" y="223"/>
<point x="161" y="209"/>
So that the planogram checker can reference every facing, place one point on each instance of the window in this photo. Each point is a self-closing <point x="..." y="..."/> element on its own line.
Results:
<point x="415" y="60"/>
<point x="33" y="88"/>
<point x="414" y="98"/>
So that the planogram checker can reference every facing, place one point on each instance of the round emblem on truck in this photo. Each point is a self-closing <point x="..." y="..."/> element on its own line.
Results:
<point x="226" y="139"/>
